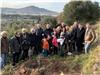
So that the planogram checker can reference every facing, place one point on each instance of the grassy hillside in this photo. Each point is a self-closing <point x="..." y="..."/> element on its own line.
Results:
<point x="83" y="64"/>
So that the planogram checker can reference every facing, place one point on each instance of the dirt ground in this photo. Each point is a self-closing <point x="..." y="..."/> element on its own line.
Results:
<point x="44" y="66"/>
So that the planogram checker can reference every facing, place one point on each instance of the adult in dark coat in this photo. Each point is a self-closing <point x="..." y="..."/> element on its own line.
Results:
<point x="48" y="30"/>
<point x="39" y="32"/>
<point x="80" y="33"/>
<point x="67" y="38"/>
<point x="33" y="41"/>
<point x="73" y="37"/>
<point x="25" y="44"/>
<point x="15" y="44"/>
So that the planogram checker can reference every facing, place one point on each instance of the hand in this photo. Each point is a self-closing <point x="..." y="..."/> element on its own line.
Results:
<point x="89" y="42"/>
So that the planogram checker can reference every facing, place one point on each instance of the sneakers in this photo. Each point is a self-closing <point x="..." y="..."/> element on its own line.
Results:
<point x="69" y="53"/>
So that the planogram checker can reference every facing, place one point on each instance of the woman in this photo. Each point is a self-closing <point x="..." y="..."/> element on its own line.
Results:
<point x="4" y="48"/>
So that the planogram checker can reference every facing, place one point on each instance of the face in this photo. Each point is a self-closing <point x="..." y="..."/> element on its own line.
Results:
<point x="32" y="30"/>
<point x="87" y="25"/>
<point x="67" y="27"/>
<point x="38" y="26"/>
<point x="4" y="35"/>
<point x="75" y="24"/>
<point x="64" y="29"/>
<point x="62" y="24"/>
<point x="80" y="26"/>
<point x="58" y="28"/>
<point x="18" y="34"/>
<point x="47" y="26"/>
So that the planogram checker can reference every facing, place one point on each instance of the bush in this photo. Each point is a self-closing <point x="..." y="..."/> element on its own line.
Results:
<point x="49" y="20"/>
<point x="86" y="11"/>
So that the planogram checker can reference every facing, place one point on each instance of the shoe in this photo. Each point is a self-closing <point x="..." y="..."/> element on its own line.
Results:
<point x="69" y="53"/>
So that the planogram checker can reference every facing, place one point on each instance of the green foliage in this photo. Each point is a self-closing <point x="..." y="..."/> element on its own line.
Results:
<point x="86" y="11"/>
<point x="50" y="20"/>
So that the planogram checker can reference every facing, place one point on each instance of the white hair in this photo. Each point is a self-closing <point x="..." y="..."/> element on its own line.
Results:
<point x="3" y="32"/>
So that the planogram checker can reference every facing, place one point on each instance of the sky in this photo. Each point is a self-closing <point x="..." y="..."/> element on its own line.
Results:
<point x="54" y="5"/>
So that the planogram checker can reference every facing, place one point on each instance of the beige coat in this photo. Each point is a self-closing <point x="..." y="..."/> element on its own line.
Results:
<point x="89" y="36"/>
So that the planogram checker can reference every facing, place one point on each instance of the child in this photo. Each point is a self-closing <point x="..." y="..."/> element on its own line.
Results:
<point x="55" y="43"/>
<point x="61" y="43"/>
<point x="45" y="46"/>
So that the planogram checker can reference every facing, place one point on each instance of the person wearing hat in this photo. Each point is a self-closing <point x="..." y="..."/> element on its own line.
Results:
<point x="4" y="48"/>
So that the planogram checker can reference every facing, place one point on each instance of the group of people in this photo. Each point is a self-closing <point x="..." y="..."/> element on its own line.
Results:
<point x="61" y="40"/>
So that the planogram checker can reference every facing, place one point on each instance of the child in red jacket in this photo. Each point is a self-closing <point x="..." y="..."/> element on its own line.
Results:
<point x="55" y="43"/>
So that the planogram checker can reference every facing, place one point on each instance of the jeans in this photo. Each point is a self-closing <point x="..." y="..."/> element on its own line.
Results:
<point x="87" y="47"/>
<point x="45" y="52"/>
<point x="3" y="60"/>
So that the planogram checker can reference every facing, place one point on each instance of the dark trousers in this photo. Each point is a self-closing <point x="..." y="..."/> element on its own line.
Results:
<point x="45" y="52"/>
<point x="16" y="56"/>
<point x="24" y="54"/>
<point x="67" y="46"/>
<point x="79" y="46"/>
<point x="72" y="47"/>
<point x="55" y="49"/>
<point x="38" y="48"/>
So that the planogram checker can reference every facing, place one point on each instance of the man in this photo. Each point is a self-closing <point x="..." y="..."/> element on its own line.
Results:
<point x="89" y="37"/>
<point x="25" y="44"/>
<point x="33" y="40"/>
<point x="48" y="30"/>
<point x="16" y="47"/>
<point x="39" y="32"/>
<point x="80" y="32"/>
<point x="4" y="48"/>
<point x="73" y="36"/>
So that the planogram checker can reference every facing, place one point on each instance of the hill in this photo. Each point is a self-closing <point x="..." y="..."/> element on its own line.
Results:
<point x="30" y="10"/>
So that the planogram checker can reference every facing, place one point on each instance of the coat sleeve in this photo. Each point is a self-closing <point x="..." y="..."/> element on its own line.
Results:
<point x="93" y="35"/>
<point x="11" y="44"/>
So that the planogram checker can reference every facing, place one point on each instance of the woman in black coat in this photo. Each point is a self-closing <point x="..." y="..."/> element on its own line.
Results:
<point x="33" y="41"/>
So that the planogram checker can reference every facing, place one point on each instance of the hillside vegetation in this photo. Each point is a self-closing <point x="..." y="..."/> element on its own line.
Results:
<point x="83" y="64"/>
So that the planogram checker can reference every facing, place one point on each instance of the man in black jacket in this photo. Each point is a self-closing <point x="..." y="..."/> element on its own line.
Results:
<point x="73" y="37"/>
<point x="39" y="32"/>
<point x="15" y="44"/>
<point x="80" y="32"/>
<point x="25" y="45"/>
<point x="33" y="41"/>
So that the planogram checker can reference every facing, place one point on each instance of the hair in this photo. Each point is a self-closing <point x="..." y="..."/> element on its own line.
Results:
<point x="3" y="32"/>
<point x="24" y="30"/>
<point x="44" y="35"/>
